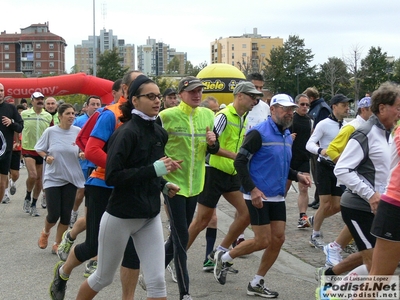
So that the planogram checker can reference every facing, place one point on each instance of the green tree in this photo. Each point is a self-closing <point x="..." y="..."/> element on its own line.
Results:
<point x="288" y="69"/>
<point x="188" y="67"/>
<point x="334" y="77"/>
<point x="394" y="75"/>
<point x="173" y="66"/>
<point x="165" y="82"/>
<point x="195" y="70"/>
<point x="74" y="69"/>
<point x="374" y="67"/>
<point x="353" y="66"/>
<point x="109" y="65"/>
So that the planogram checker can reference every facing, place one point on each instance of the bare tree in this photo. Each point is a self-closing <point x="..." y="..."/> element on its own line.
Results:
<point x="353" y="66"/>
<point x="334" y="76"/>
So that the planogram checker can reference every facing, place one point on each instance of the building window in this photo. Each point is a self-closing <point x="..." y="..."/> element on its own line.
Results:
<point x="262" y="46"/>
<point x="244" y="54"/>
<point x="51" y="46"/>
<point x="6" y="66"/>
<point x="263" y="54"/>
<point x="6" y="56"/>
<point x="38" y="46"/>
<point x="6" y="47"/>
<point x="244" y="45"/>
<point x="38" y="64"/>
<point x="51" y="55"/>
<point x="38" y="55"/>
<point x="233" y="55"/>
<point x="233" y="63"/>
<point x="51" y="64"/>
<point x="233" y="47"/>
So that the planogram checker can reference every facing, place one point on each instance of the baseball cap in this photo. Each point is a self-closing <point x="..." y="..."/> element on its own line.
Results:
<point x="340" y="98"/>
<point x="189" y="83"/>
<point x="169" y="91"/>
<point x="37" y="95"/>
<point x="364" y="102"/>
<point x="283" y="99"/>
<point x="246" y="87"/>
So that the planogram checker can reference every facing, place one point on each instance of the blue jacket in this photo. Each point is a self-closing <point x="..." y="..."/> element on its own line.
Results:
<point x="269" y="166"/>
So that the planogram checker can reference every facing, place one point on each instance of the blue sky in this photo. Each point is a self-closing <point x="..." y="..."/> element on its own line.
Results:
<point x="329" y="28"/>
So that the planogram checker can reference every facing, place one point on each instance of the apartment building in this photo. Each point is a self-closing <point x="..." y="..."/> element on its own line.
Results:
<point x="247" y="51"/>
<point x="105" y="41"/>
<point x="153" y="58"/>
<point x="34" y="52"/>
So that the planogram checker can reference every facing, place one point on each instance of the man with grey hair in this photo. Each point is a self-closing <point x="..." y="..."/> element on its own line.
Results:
<point x="210" y="102"/>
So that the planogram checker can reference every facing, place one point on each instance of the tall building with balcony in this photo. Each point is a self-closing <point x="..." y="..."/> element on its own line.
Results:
<point x="34" y="52"/>
<point x="247" y="52"/>
<point x="105" y="41"/>
<point x="154" y="57"/>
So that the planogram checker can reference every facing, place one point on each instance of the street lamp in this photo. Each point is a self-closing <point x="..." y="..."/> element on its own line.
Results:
<point x="297" y="72"/>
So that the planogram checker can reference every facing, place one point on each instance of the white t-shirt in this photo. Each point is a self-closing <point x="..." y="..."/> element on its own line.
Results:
<point x="258" y="114"/>
<point x="65" y="168"/>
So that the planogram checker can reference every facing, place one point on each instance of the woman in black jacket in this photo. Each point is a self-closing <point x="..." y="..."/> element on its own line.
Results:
<point x="135" y="166"/>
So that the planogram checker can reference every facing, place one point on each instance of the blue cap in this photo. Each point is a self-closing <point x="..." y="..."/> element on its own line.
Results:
<point x="364" y="102"/>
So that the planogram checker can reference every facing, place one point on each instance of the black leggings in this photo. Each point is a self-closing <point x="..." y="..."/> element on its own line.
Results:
<point x="60" y="201"/>
<point x="96" y="201"/>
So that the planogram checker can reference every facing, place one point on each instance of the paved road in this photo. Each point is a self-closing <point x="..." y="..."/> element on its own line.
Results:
<point x="26" y="271"/>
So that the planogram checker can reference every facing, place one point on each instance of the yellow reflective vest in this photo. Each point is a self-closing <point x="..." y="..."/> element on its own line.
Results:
<point x="230" y="139"/>
<point x="186" y="127"/>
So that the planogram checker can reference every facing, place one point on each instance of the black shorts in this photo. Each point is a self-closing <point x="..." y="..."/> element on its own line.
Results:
<point x="359" y="223"/>
<point x="387" y="222"/>
<point x="271" y="211"/>
<point x="217" y="183"/>
<point x="38" y="159"/>
<point x="15" y="160"/>
<point x="5" y="161"/>
<point x="300" y="165"/>
<point x="326" y="181"/>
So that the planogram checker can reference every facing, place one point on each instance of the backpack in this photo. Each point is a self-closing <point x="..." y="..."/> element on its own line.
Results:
<point x="86" y="130"/>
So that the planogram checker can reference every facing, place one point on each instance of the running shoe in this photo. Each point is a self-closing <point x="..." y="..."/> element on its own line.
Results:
<point x="43" y="202"/>
<point x="212" y="255"/>
<point x="33" y="211"/>
<point x="172" y="271"/>
<point x="220" y="268"/>
<point x="90" y="268"/>
<point x="59" y="284"/>
<point x="187" y="297"/>
<point x="317" y="241"/>
<point x="237" y="242"/>
<point x="13" y="187"/>
<point x="230" y="268"/>
<point x="27" y="205"/>
<point x="303" y="222"/>
<point x="261" y="290"/>
<point x="65" y="246"/>
<point x="319" y="272"/>
<point x="310" y="221"/>
<point x="43" y="240"/>
<point x="208" y="265"/>
<point x="351" y="247"/>
<point x="6" y="199"/>
<point x="333" y="256"/>
<point x="74" y="217"/>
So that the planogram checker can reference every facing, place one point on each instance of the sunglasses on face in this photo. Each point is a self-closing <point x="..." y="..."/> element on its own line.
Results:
<point x="254" y="97"/>
<point x="304" y="104"/>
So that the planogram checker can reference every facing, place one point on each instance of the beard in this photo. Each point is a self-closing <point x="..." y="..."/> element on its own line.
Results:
<point x="284" y="122"/>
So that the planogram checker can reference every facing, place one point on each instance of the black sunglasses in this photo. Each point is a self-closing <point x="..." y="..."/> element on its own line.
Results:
<point x="151" y="96"/>
<point x="254" y="97"/>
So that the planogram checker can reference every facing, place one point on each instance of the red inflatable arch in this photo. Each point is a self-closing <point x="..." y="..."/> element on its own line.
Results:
<point x="79" y="83"/>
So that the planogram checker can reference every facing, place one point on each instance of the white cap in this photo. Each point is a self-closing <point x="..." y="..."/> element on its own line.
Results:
<point x="283" y="99"/>
<point x="37" y="95"/>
